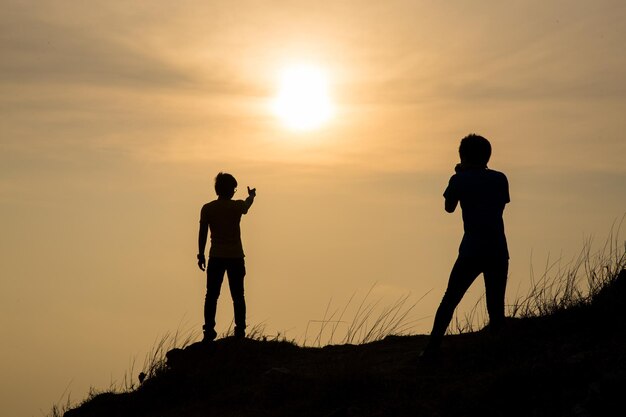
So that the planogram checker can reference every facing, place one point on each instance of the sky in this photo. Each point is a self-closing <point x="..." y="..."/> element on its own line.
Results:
<point x="116" y="116"/>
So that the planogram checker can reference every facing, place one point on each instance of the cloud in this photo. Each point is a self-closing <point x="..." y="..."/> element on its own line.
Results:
<point x="41" y="47"/>
<point x="494" y="52"/>
<point x="43" y="52"/>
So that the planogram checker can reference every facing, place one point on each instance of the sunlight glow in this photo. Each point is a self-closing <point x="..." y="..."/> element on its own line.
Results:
<point x="303" y="101"/>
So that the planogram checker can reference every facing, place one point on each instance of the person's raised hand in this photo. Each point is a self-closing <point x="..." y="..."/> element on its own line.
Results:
<point x="252" y="192"/>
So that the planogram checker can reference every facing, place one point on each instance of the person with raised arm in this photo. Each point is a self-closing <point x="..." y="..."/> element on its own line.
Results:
<point x="222" y="217"/>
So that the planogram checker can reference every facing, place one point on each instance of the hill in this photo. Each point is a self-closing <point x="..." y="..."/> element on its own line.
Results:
<point x="570" y="363"/>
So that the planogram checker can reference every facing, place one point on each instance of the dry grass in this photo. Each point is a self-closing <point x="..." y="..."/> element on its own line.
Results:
<point x="562" y="285"/>
<point x="154" y="364"/>
<point x="566" y="285"/>
<point x="371" y="321"/>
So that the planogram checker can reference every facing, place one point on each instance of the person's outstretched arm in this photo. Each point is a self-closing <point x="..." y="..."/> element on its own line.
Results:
<point x="248" y="202"/>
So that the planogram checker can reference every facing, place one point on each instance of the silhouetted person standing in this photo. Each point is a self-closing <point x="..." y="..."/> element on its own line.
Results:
<point x="482" y="193"/>
<point x="222" y="217"/>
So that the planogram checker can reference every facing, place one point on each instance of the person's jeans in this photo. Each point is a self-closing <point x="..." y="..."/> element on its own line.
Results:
<point x="463" y="274"/>
<point x="236" y="270"/>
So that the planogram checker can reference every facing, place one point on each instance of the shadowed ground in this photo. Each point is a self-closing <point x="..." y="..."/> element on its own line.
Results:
<point x="571" y="363"/>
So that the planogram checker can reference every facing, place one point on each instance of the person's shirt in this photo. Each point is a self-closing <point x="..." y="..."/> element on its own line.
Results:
<point x="482" y="193"/>
<point x="223" y="217"/>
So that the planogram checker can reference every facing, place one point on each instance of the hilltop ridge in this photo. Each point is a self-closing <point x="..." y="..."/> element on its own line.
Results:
<point x="570" y="363"/>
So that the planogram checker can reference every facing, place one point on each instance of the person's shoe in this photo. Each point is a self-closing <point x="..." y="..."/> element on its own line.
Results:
<point x="209" y="336"/>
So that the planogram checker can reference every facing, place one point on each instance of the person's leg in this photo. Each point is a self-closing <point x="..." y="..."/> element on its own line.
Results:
<point x="464" y="272"/>
<point x="215" y="275"/>
<point x="236" y="273"/>
<point x="496" y="273"/>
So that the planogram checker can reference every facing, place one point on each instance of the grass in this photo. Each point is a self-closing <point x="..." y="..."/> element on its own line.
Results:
<point x="561" y="286"/>
<point x="370" y="321"/>
<point x="577" y="282"/>
<point x="154" y="365"/>
<point x="558" y="288"/>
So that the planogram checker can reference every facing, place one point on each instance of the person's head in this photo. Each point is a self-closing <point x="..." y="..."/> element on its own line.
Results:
<point x="475" y="150"/>
<point x="225" y="185"/>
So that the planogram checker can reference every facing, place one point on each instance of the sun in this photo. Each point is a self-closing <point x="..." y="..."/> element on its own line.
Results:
<point x="303" y="100"/>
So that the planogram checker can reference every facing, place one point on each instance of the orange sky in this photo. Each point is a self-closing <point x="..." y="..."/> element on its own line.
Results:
<point x="114" y="119"/>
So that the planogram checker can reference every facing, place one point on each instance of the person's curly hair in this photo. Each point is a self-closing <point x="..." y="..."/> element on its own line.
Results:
<point x="475" y="150"/>
<point x="225" y="185"/>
